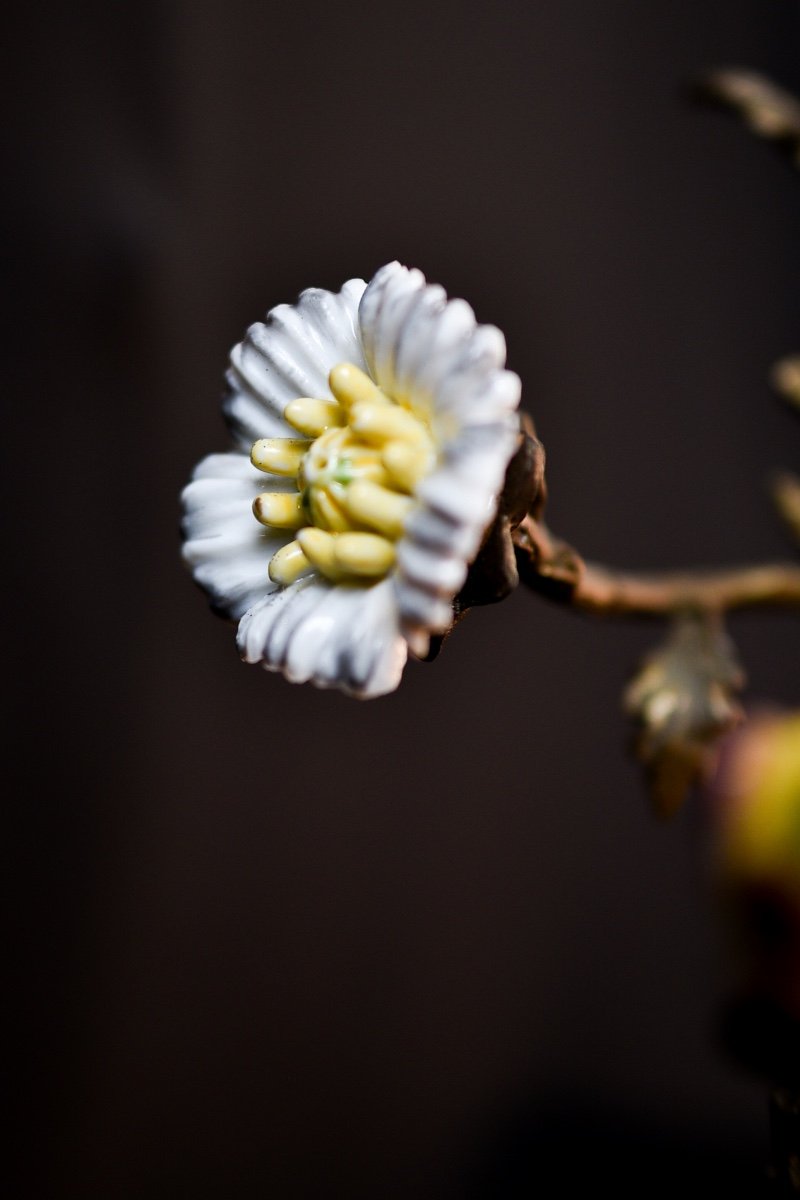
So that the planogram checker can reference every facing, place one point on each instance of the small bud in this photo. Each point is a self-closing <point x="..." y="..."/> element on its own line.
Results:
<point x="755" y="806"/>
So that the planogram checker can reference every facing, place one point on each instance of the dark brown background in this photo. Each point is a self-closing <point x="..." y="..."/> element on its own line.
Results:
<point x="275" y="942"/>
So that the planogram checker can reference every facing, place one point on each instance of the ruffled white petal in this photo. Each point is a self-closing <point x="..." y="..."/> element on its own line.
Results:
<point x="335" y="636"/>
<point x="436" y="570"/>
<point x="225" y="546"/>
<point x="290" y="355"/>
<point x="429" y="353"/>
<point x="422" y="611"/>
<point x="390" y="300"/>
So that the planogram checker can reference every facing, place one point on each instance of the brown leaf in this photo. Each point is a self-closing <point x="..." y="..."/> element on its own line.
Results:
<point x="682" y="700"/>
<point x="766" y="108"/>
<point x="786" y="379"/>
<point x="786" y="495"/>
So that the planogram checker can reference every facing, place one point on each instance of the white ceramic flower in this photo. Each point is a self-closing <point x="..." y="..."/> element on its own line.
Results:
<point x="373" y="428"/>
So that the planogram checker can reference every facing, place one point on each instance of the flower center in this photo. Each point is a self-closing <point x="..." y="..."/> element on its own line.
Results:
<point x="356" y="464"/>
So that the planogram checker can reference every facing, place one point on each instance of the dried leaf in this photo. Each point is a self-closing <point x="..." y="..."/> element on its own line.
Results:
<point x="786" y="379"/>
<point x="786" y="495"/>
<point x="682" y="700"/>
<point x="767" y="109"/>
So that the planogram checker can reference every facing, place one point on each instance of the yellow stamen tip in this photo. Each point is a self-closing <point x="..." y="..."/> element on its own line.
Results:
<point x="350" y="386"/>
<point x="378" y="507"/>
<point x="365" y="555"/>
<point x="281" y="510"/>
<point x="312" y="417"/>
<point x="279" y="456"/>
<point x="288" y="564"/>
<point x="318" y="547"/>
<point x="377" y="424"/>
<point x="406" y="464"/>
<point x="325" y="510"/>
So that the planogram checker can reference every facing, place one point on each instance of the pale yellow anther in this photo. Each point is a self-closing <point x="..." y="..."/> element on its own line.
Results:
<point x="356" y="468"/>
<point x="288" y="564"/>
<point x="365" y="463"/>
<point x="326" y="512"/>
<point x="318" y="547"/>
<point x="312" y="417"/>
<point x="279" y="456"/>
<point x="375" y="472"/>
<point x="365" y="555"/>
<point x="377" y="424"/>
<point x="378" y="507"/>
<point x="281" y="510"/>
<point x="406" y="464"/>
<point x="351" y="386"/>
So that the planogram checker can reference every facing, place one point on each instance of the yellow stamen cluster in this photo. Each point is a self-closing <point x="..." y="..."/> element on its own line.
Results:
<point x="356" y="465"/>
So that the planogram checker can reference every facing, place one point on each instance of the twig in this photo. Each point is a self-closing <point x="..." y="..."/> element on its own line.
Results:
<point x="554" y="569"/>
